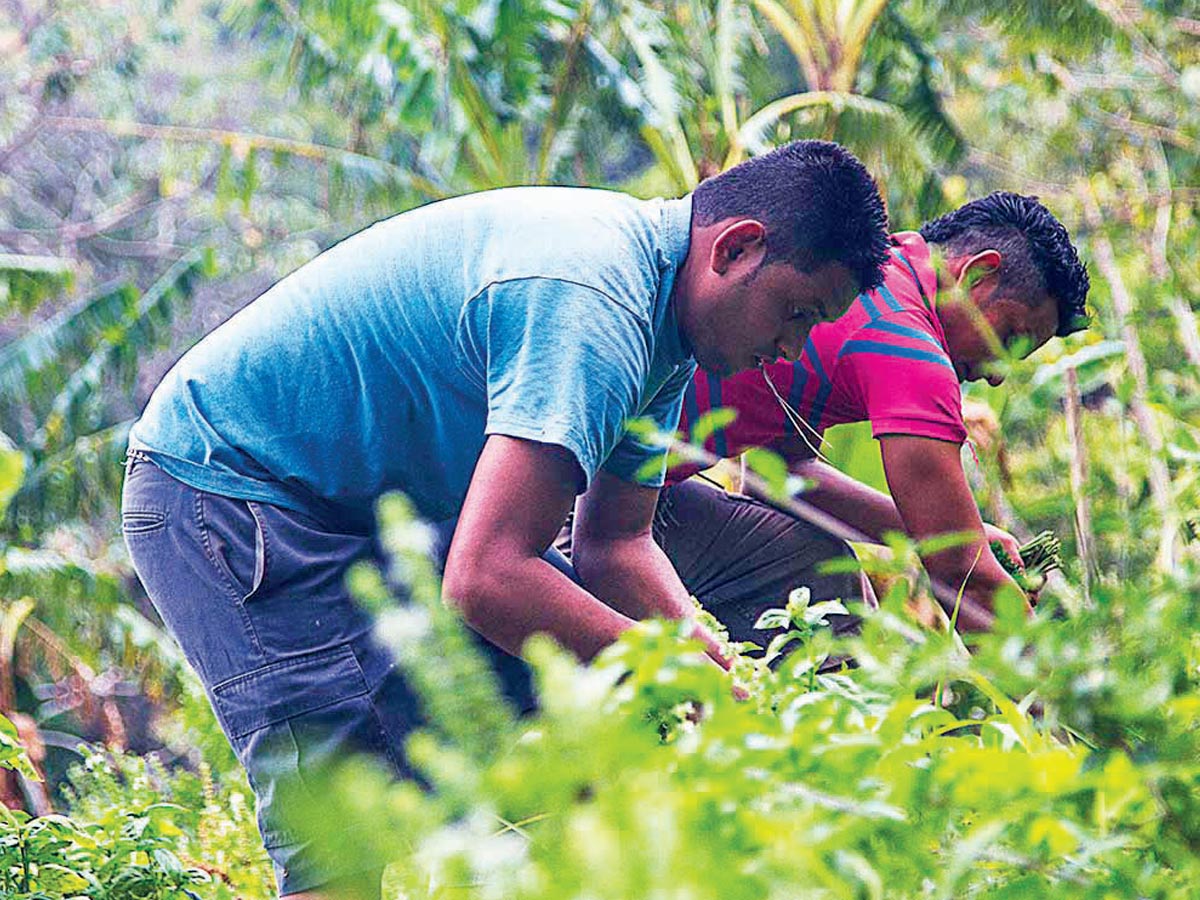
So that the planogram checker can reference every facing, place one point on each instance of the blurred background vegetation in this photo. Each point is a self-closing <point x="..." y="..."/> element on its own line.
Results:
<point x="163" y="161"/>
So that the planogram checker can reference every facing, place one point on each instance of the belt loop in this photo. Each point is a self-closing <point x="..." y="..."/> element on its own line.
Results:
<point x="132" y="458"/>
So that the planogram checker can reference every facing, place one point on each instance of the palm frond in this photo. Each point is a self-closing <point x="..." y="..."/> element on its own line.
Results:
<point x="80" y="611"/>
<point x="33" y="367"/>
<point x="664" y="101"/>
<point x="800" y="34"/>
<point x="729" y="33"/>
<point x="25" y="281"/>
<point x="71" y="462"/>
<point x="877" y="131"/>
<point x="81" y="480"/>
<point x="629" y="92"/>
<point x="917" y="95"/>
<point x="1069" y="26"/>
<point x="119" y="347"/>
<point x="754" y="131"/>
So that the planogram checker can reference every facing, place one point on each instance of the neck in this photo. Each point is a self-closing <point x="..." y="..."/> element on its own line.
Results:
<point x="947" y="269"/>
<point x="685" y="300"/>
<point x="944" y="269"/>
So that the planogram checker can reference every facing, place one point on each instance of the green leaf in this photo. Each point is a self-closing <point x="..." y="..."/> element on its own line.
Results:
<point x="12" y="754"/>
<point x="769" y="466"/>
<point x="712" y="421"/>
<point x="12" y="471"/>
<point x="26" y="281"/>
<point x="816" y="613"/>
<point x="249" y="179"/>
<point x="797" y="603"/>
<point x="771" y="619"/>
<point x="167" y="861"/>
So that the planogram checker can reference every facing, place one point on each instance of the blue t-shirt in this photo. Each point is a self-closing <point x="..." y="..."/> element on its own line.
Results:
<point x="383" y="364"/>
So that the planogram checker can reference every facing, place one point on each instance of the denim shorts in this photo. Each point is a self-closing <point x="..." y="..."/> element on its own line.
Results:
<point x="256" y="597"/>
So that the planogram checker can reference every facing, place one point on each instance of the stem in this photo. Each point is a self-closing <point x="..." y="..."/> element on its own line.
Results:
<point x="962" y="589"/>
<point x="1139" y="404"/>
<point x="1078" y="457"/>
<point x="24" y="861"/>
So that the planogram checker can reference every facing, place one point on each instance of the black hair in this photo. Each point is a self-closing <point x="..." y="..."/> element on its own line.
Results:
<point x="818" y="203"/>
<point x="1037" y="254"/>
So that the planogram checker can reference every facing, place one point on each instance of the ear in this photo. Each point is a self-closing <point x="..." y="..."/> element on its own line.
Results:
<point x="740" y="240"/>
<point x="977" y="268"/>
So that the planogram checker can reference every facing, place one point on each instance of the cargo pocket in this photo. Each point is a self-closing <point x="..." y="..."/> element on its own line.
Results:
<point x="289" y="721"/>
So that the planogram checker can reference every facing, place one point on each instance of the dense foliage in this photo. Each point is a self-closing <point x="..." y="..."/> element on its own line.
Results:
<point x="913" y="775"/>
<point x="161" y="161"/>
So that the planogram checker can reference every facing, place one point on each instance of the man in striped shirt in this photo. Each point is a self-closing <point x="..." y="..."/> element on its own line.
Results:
<point x="998" y="277"/>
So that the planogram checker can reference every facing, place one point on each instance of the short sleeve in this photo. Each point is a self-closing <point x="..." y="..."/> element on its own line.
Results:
<point x="903" y="378"/>
<point x="632" y="457"/>
<point x="563" y="364"/>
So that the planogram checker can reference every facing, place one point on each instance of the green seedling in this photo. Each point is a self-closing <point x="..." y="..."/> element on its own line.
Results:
<point x="1039" y="558"/>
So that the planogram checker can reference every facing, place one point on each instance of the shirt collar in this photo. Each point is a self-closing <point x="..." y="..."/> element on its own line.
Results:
<point x="675" y="232"/>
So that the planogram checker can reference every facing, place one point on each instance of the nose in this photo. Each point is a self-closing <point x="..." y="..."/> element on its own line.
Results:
<point x="995" y="379"/>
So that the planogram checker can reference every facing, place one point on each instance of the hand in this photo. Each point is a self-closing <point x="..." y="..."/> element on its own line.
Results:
<point x="1012" y="548"/>
<point x="1006" y="540"/>
<point x="711" y="646"/>
<point x="713" y="649"/>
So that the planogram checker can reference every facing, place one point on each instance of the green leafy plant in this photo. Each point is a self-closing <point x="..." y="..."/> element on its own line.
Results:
<point x="643" y="774"/>
<point x="1039" y="557"/>
<point x="136" y="832"/>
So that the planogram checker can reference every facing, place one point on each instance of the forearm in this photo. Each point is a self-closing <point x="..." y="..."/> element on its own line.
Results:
<point x="862" y="507"/>
<point x="931" y="492"/>
<point x="512" y="597"/>
<point x="633" y="575"/>
<point x="971" y="572"/>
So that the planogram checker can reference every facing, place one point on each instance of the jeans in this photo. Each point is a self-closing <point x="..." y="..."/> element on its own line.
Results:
<point x="256" y="597"/>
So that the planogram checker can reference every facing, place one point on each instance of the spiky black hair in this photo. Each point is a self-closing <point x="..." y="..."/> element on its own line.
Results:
<point x="1037" y="251"/>
<point x="819" y="205"/>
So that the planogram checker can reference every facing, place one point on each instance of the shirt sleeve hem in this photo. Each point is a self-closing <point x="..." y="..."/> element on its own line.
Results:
<point x="542" y="433"/>
<point x="617" y="469"/>
<point x="941" y="431"/>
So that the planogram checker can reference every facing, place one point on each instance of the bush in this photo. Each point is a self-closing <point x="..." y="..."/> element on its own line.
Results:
<point x="913" y="775"/>
<point x="136" y="832"/>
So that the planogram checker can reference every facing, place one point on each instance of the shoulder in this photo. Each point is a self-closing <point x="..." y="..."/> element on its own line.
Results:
<point x="905" y="335"/>
<point x="604" y="240"/>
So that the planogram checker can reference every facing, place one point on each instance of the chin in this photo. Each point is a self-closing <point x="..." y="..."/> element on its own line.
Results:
<point x="716" y="365"/>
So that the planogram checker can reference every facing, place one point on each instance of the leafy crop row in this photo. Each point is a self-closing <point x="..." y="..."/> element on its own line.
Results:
<point x="1060" y="758"/>
<point x="914" y="774"/>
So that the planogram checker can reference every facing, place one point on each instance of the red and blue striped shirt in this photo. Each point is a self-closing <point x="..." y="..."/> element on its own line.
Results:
<point x="885" y="361"/>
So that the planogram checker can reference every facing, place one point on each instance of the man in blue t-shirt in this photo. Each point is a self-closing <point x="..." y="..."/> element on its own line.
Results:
<point x="482" y="355"/>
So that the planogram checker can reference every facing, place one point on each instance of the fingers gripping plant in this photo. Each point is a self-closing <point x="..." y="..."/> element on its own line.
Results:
<point x="1039" y="558"/>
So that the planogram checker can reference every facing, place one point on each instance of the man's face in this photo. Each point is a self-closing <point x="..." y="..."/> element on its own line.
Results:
<point x="764" y="313"/>
<point x="989" y="327"/>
